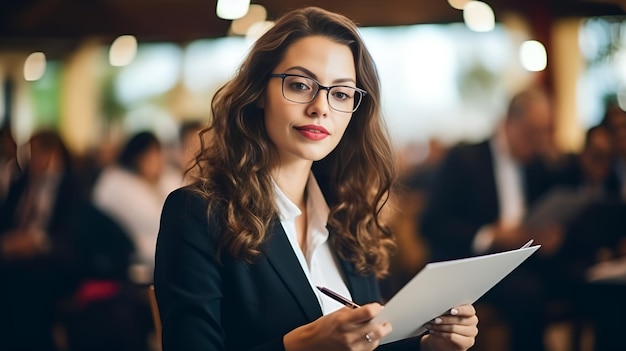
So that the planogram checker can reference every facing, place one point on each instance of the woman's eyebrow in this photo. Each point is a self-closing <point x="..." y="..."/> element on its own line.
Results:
<point x="310" y="74"/>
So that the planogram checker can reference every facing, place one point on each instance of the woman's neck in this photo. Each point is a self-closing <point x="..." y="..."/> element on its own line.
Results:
<point x="292" y="180"/>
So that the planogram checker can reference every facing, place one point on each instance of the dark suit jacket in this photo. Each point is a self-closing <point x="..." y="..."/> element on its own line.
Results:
<point x="464" y="198"/>
<point x="206" y="305"/>
<point x="61" y="227"/>
<point x="30" y="287"/>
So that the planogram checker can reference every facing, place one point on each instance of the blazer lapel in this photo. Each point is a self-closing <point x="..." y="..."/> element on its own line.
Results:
<point x="281" y="257"/>
<point x="359" y="286"/>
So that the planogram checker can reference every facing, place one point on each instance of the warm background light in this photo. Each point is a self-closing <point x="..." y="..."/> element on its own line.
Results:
<point x="621" y="99"/>
<point x="258" y="29"/>
<point x="620" y="65"/>
<point x="232" y="9"/>
<point x="256" y="13"/>
<point x="478" y="16"/>
<point x="123" y="50"/>
<point x="533" y="56"/>
<point x="35" y="66"/>
<point x="458" y="4"/>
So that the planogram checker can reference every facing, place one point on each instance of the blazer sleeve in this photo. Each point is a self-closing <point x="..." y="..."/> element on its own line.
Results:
<point x="187" y="279"/>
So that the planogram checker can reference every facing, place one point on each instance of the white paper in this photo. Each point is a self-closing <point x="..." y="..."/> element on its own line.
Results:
<point x="442" y="285"/>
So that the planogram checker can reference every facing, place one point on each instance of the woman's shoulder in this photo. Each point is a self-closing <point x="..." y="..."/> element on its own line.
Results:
<point x="190" y="216"/>
<point x="186" y="197"/>
<point x="192" y="200"/>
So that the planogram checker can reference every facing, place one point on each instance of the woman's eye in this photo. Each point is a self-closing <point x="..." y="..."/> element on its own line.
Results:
<point x="300" y="86"/>
<point x="341" y="96"/>
<point x="342" y="93"/>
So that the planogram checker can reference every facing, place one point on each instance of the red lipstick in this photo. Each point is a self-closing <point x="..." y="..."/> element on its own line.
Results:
<point x="313" y="132"/>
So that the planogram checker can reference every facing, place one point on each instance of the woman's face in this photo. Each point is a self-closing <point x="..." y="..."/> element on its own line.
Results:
<point x="309" y="131"/>
<point x="150" y="164"/>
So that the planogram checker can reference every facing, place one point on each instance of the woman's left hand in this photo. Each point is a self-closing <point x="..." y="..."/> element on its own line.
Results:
<point x="453" y="331"/>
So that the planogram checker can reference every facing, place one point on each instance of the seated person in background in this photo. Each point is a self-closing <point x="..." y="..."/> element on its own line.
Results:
<point x="615" y="122"/>
<point x="287" y="195"/>
<point x="478" y="202"/>
<point x="38" y="257"/>
<point x="586" y="179"/>
<point x="108" y="310"/>
<point x="595" y="263"/>
<point x="592" y="259"/>
<point x="132" y="193"/>
<point x="9" y="168"/>
<point x="592" y="171"/>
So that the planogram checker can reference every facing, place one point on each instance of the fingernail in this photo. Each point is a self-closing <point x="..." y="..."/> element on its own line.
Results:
<point x="438" y="320"/>
<point x="454" y="311"/>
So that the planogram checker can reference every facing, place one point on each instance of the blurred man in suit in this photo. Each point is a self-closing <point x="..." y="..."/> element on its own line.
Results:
<point x="38" y="258"/>
<point x="478" y="204"/>
<point x="615" y="122"/>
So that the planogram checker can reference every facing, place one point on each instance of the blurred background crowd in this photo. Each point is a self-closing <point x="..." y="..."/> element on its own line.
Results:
<point x="508" y="119"/>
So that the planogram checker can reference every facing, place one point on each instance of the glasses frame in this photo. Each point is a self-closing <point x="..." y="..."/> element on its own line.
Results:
<point x="282" y="76"/>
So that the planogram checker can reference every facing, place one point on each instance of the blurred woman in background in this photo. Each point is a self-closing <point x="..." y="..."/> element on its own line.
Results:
<point x="132" y="192"/>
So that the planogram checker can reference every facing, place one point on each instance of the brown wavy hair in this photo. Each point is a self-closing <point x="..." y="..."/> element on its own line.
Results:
<point x="232" y="169"/>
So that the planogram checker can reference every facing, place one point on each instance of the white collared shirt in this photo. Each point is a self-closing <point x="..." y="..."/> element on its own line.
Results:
<point x="318" y="263"/>
<point x="509" y="188"/>
<point x="509" y="182"/>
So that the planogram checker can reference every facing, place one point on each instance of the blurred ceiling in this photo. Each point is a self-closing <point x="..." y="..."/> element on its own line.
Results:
<point x="60" y="24"/>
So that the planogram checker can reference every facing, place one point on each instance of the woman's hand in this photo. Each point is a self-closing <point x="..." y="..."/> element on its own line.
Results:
<point x="344" y="329"/>
<point x="453" y="331"/>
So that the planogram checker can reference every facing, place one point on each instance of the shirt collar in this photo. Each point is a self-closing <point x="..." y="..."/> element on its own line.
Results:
<point x="316" y="203"/>
<point x="287" y="210"/>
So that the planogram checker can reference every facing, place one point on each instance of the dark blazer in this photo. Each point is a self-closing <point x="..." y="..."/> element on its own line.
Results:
<point x="464" y="198"/>
<point x="32" y="286"/>
<point x="61" y="228"/>
<point x="207" y="305"/>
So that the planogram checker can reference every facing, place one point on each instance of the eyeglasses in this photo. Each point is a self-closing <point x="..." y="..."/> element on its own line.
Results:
<point x="302" y="90"/>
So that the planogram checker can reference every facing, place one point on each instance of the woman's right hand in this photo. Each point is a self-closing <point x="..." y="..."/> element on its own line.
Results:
<point x="344" y="329"/>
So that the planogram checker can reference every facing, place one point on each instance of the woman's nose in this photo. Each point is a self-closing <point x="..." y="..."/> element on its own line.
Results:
<point x="319" y="107"/>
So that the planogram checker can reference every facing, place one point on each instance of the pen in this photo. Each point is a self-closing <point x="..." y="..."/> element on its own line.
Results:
<point x="333" y="295"/>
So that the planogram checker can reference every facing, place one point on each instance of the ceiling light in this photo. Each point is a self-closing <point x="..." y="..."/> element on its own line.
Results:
<point x="232" y="9"/>
<point x="533" y="56"/>
<point x="478" y="16"/>
<point x="458" y="4"/>
<point x="35" y="66"/>
<point x="123" y="50"/>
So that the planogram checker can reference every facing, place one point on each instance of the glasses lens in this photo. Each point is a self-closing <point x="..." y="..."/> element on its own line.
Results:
<point x="299" y="89"/>
<point x="303" y="90"/>
<point x="344" y="98"/>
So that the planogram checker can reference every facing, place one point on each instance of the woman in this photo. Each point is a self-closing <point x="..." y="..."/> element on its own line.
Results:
<point x="286" y="197"/>
<point x="132" y="193"/>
